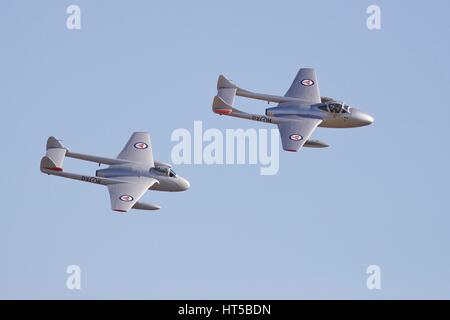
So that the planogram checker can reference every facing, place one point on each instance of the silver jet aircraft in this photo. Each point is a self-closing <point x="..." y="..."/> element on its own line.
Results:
<point x="128" y="176"/>
<point x="298" y="113"/>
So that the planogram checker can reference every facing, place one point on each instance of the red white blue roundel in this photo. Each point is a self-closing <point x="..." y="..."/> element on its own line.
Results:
<point x="295" y="137"/>
<point x="307" y="82"/>
<point x="141" y="145"/>
<point x="126" y="198"/>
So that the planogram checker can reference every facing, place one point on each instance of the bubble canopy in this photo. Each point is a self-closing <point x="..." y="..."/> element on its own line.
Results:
<point x="335" y="107"/>
<point x="165" y="171"/>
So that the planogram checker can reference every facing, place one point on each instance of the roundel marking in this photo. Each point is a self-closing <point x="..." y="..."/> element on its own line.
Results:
<point x="307" y="82"/>
<point x="126" y="198"/>
<point x="141" y="145"/>
<point x="295" y="137"/>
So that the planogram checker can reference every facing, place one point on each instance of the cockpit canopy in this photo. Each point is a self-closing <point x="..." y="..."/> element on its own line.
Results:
<point x="335" y="107"/>
<point x="166" y="171"/>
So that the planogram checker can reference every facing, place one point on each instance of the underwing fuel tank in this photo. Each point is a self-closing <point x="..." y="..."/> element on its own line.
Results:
<point x="146" y="206"/>
<point x="315" y="144"/>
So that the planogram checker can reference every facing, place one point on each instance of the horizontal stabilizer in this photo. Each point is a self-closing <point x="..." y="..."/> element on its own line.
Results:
<point x="55" y="155"/>
<point x="146" y="206"/>
<point x="224" y="100"/>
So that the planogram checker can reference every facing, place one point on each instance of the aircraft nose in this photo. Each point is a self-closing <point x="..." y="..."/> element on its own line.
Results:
<point x="362" y="118"/>
<point x="184" y="184"/>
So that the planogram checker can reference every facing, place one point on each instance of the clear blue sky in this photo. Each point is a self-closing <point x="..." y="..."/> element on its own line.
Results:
<point x="378" y="195"/>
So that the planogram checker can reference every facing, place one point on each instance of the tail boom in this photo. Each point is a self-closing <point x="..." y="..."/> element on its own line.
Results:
<point x="46" y="167"/>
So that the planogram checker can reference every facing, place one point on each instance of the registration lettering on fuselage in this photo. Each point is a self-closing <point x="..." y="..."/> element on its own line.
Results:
<point x="261" y="119"/>
<point x="90" y="179"/>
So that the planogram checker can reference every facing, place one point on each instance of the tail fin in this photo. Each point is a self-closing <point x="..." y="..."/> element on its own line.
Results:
<point x="224" y="83"/>
<point x="55" y="155"/>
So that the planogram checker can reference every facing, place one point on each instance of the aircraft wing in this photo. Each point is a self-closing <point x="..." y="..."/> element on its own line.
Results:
<point x="138" y="149"/>
<point x="125" y="195"/>
<point x="305" y="86"/>
<point x="296" y="131"/>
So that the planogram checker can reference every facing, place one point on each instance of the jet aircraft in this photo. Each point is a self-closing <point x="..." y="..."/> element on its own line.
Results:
<point x="128" y="176"/>
<point x="298" y="113"/>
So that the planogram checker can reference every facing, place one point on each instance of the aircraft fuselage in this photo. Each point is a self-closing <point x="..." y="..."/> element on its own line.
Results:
<point x="168" y="180"/>
<point x="333" y="115"/>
